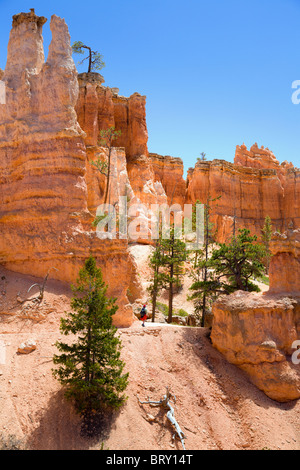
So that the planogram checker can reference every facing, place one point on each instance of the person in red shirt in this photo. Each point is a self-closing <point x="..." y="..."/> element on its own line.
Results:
<point x="144" y="315"/>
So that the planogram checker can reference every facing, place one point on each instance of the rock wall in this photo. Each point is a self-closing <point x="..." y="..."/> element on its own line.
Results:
<point x="285" y="263"/>
<point x="99" y="107"/>
<point x="169" y="171"/>
<point x="254" y="186"/>
<point x="260" y="158"/>
<point x="256" y="331"/>
<point x="50" y="191"/>
<point x="47" y="188"/>
<point x="250" y="188"/>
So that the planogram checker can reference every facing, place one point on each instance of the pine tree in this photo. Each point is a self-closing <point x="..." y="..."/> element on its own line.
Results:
<point x="106" y="138"/>
<point x="173" y="255"/>
<point x="239" y="261"/>
<point x="90" y="369"/>
<point x="204" y="292"/>
<point x="204" y="286"/>
<point x="157" y="281"/>
<point x="95" y="59"/>
<point x="267" y="232"/>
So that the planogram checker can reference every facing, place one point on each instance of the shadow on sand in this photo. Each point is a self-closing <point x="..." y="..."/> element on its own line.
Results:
<point x="59" y="427"/>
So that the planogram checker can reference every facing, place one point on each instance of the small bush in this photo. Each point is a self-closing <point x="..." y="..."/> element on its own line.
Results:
<point x="163" y="308"/>
<point x="182" y="313"/>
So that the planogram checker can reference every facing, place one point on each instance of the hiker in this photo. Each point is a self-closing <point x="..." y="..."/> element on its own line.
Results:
<point x="143" y="314"/>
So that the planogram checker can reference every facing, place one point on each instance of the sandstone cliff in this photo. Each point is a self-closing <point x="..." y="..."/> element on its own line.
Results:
<point x="98" y="108"/>
<point x="169" y="171"/>
<point x="254" y="186"/>
<point x="257" y="331"/>
<point x="251" y="188"/>
<point x="285" y="263"/>
<point x="50" y="191"/>
<point x="47" y="187"/>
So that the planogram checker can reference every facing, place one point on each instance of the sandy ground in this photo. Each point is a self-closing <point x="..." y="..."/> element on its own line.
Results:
<point x="216" y="405"/>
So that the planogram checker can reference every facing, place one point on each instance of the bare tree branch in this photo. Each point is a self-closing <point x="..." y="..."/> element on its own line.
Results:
<point x="165" y="403"/>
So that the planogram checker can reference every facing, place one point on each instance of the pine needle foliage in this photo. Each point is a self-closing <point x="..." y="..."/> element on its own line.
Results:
<point x="90" y="369"/>
<point x="239" y="261"/>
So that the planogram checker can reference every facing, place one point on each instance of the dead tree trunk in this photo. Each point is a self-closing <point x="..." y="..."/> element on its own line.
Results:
<point x="165" y="403"/>
<point x="41" y="287"/>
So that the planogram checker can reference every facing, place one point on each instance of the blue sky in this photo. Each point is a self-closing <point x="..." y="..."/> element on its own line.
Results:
<point x="216" y="73"/>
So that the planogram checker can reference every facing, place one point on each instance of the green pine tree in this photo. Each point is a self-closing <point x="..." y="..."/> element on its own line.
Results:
<point x="106" y="138"/>
<point x="266" y="236"/>
<point x="237" y="262"/>
<point x="95" y="59"/>
<point x="205" y="284"/>
<point x="90" y="369"/>
<point x="206" y="289"/>
<point x="157" y="281"/>
<point x="173" y="256"/>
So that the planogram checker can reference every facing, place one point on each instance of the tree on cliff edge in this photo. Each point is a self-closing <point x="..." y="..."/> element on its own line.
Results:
<point x="94" y="57"/>
<point x="90" y="369"/>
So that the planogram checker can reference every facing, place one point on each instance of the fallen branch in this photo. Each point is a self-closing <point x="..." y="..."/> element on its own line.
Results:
<point x="38" y="299"/>
<point x="165" y="403"/>
<point x="41" y="287"/>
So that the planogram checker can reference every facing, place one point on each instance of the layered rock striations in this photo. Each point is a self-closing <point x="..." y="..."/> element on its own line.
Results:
<point x="169" y="171"/>
<point x="251" y="188"/>
<point x="46" y="185"/>
<point x="50" y="190"/>
<point x="254" y="186"/>
<point x="260" y="158"/>
<point x="259" y="332"/>
<point x="285" y="263"/>
<point x="99" y="108"/>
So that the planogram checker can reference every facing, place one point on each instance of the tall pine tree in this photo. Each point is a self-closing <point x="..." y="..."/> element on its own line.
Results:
<point x="266" y="235"/>
<point x="157" y="281"/>
<point x="173" y="256"/>
<point x="205" y="285"/>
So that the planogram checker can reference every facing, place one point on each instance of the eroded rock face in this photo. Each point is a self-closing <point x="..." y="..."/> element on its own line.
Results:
<point x="47" y="188"/>
<point x="257" y="331"/>
<point x="285" y="263"/>
<point x="130" y="119"/>
<point x="255" y="186"/>
<point x="169" y="171"/>
<point x="260" y="158"/>
<point x="99" y="107"/>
